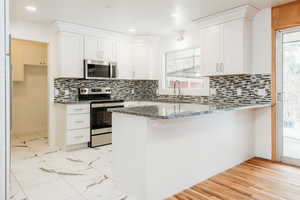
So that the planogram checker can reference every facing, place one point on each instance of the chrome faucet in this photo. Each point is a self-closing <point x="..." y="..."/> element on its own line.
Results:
<point x="178" y="88"/>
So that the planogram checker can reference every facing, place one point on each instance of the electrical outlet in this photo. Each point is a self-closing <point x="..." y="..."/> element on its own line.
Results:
<point x="261" y="92"/>
<point x="67" y="92"/>
<point x="213" y="92"/>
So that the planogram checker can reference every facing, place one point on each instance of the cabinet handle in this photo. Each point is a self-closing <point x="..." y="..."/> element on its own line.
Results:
<point x="79" y="122"/>
<point x="79" y="109"/>
<point x="222" y="68"/>
<point x="217" y="67"/>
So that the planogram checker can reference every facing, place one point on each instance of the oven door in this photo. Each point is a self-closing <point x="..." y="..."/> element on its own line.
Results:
<point x="97" y="70"/>
<point x="101" y="123"/>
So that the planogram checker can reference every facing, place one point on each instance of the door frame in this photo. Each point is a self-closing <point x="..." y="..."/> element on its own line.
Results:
<point x="4" y="100"/>
<point x="283" y="16"/>
<point x="279" y="92"/>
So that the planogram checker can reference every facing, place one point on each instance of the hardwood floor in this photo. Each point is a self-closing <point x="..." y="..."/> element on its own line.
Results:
<point x="255" y="179"/>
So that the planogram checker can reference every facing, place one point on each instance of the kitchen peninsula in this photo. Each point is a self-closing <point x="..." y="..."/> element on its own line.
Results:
<point x="164" y="148"/>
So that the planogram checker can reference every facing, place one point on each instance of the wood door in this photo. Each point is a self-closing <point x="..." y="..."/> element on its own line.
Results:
<point x="35" y="53"/>
<point x="44" y="54"/>
<point x="17" y="60"/>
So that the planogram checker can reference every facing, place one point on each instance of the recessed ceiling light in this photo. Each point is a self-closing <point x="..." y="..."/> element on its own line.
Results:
<point x="31" y="8"/>
<point x="174" y="15"/>
<point x="132" y="30"/>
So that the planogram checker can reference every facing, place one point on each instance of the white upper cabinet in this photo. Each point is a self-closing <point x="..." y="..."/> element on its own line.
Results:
<point x="225" y="41"/>
<point x="141" y="62"/>
<point x="124" y="59"/>
<point x="211" y="50"/>
<point x="71" y="54"/>
<point x="145" y="56"/>
<point x="93" y="48"/>
<point x="235" y="54"/>
<point x="137" y="58"/>
<point x="100" y="48"/>
<point x="225" y="48"/>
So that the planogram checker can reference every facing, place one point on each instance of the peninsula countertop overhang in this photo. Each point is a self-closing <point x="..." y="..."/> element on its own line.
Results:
<point x="163" y="110"/>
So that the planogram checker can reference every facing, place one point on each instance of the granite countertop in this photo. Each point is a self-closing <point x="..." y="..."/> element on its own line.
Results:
<point x="163" y="110"/>
<point x="72" y="102"/>
<point x="85" y="102"/>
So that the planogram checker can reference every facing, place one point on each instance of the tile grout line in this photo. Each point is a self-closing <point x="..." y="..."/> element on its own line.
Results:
<point x="21" y="188"/>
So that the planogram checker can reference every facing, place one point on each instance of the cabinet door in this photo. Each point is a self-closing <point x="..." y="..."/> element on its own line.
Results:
<point x="141" y="61"/>
<point x="107" y="46"/>
<point x="17" y="60"/>
<point x="114" y="51"/>
<point x="211" y="41"/>
<point x="233" y="49"/>
<point x="44" y="50"/>
<point x="71" y="55"/>
<point x="93" y="48"/>
<point x="34" y="53"/>
<point x="125" y="70"/>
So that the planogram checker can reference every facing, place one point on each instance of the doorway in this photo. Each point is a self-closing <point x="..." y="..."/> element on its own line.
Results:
<point x="288" y="58"/>
<point x="29" y="105"/>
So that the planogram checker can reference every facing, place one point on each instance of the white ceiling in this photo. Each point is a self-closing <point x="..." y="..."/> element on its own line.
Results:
<point x="146" y="16"/>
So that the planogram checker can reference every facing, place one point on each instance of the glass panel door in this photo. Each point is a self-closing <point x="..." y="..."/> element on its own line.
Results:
<point x="289" y="95"/>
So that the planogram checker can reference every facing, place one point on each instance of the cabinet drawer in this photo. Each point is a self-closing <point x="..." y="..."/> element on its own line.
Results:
<point x="100" y="140"/>
<point x="78" y="109"/>
<point x="77" y="136"/>
<point x="78" y="121"/>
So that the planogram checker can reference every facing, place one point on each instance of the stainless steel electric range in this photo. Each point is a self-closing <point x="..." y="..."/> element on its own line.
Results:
<point x="100" y="117"/>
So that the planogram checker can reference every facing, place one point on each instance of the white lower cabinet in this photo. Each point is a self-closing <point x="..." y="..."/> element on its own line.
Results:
<point x="77" y="136"/>
<point x="78" y="121"/>
<point x="73" y="126"/>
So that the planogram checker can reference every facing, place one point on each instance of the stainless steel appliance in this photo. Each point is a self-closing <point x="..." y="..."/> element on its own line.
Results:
<point x="100" y="117"/>
<point x="94" y="69"/>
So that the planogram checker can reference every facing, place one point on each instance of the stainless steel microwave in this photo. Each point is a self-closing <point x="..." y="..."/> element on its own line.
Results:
<point x="94" y="69"/>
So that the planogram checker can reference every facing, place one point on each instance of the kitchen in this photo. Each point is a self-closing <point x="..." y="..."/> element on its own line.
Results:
<point x="129" y="100"/>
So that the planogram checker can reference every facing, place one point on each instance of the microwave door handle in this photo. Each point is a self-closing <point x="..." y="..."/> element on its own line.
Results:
<point x="111" y="70"/>
<point x="85" y="68"/>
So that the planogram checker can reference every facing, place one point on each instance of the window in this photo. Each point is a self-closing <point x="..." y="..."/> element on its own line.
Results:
<point x="183" y="67"/>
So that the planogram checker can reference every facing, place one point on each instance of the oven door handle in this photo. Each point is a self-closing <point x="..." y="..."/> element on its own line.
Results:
<point x="107" y="105"/>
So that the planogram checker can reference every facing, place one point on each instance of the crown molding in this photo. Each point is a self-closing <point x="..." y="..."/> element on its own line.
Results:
<point x="62" y="26"/>
<point x="241" y="12"/>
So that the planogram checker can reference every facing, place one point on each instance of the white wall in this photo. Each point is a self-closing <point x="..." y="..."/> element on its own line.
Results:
<point x="42" y="33"/>
<point x="30" y="98"/>
<point x="262" y="63"/>
<point x="262" y="42"/>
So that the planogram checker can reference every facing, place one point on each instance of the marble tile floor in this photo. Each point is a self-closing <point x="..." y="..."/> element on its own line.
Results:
<point x="40" y="172"/>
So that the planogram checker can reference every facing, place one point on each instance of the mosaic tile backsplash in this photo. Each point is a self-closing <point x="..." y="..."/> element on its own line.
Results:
<point x="254" y="88"/>
<point x="66" y="89"/>
<point x="247" y="88"/>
